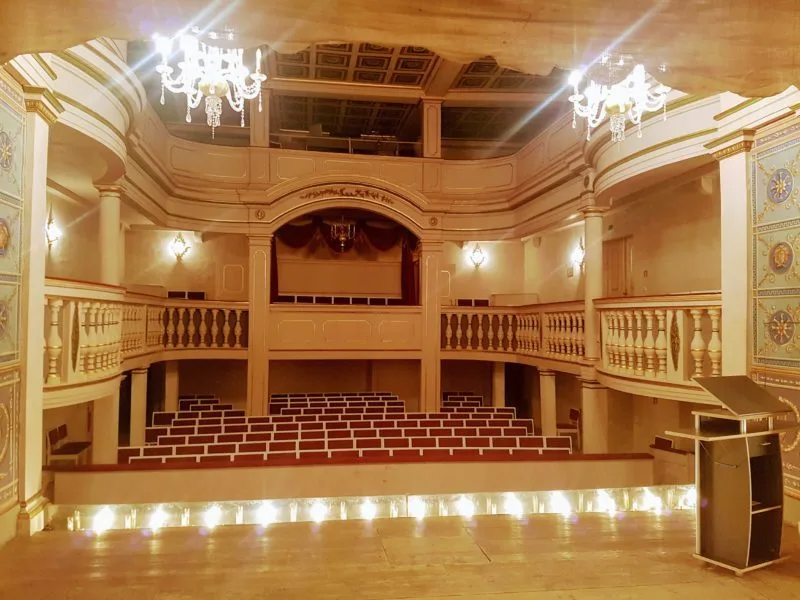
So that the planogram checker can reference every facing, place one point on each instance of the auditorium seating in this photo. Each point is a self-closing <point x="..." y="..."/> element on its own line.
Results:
<point x="336" y="428"/>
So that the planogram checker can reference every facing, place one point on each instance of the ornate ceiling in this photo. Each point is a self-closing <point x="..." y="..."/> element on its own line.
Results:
<point x="744" y="46"/>
<point x="357" y="90"/>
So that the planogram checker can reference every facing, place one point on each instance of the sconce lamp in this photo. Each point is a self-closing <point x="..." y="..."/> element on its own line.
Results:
<point x="179" y="247"/>
<point x="52" y="233"/>
<point x="477" y="256"/>
<point x="578" y="255"/>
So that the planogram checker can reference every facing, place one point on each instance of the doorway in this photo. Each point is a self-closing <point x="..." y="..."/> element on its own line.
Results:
<point x="617" y="267"/>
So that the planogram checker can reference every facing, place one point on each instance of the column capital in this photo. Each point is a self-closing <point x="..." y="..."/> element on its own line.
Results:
<point x="261" y="239"/>
<point x="731" y="144"/>
<point x="431" y="245"/>
<point x="42" y="102"/>
<point x="589" y="212"/>
<point x="547" y="373"/>
<point x="591" y="384"/>
<point x="109" y="189"/>
<point x="140" y="371"/>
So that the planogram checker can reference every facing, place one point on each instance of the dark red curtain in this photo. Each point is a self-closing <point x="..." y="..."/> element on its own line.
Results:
<point x="273" y="272"/>
<point x="409" y="281"/>
<point x="382" y="238"/>
<point x="298" y="236"/>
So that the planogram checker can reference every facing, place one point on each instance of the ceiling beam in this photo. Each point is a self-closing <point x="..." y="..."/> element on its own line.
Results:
<point x="443" y="78"/>
<point x="344" y="90"/>
<point x="494" y="98"/>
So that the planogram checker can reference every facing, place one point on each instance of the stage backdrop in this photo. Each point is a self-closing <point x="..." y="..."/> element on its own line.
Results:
<point x="775" y="221"/>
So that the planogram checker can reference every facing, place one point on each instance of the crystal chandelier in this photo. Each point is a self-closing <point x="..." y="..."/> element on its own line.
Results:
<point x="209" y="72"/>
<point x="342" y="232"/>
<point x="620" y="101"/>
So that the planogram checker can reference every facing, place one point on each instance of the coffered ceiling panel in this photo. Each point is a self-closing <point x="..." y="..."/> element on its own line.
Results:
<point x="486" y="74"/>
<point x="356" y="63"/>
<point x="343" y="118"/>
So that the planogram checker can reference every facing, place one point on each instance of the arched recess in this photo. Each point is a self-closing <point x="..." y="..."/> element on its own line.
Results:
<point x="312" y="194"/>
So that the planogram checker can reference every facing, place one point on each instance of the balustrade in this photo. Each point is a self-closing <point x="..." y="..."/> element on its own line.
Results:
<point x="90" y="329"/>
<point x="551" y="330"/>
<point x="668" y="338"/>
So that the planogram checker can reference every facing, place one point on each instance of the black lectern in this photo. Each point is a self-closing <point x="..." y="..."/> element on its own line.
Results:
<point x="739" y="474"/>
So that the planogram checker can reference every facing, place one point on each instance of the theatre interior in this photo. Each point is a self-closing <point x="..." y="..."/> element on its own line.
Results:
<point x="400" y="300"/>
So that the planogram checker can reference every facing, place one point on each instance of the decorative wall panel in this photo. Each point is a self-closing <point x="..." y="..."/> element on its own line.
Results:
<point x="341" y="329"/>
<point x="775" y="219"/>
<point x="12" y="114"/>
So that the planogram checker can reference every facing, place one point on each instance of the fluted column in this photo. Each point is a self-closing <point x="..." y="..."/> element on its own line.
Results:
<point x="592" y="278"/>
<point x="42" y="110"/>
<point x="138" y="406"/>
<point x="432" y="128"/>
<point x="430" y="368"/>
<point x="110" y="238"/>
<point x="735" y="223"/>
<point x="105" y="429"/>
<point x="594" y="417"/>
<point x="257" y="352"/>
<point x="498" y="384"/>
<point x="547" y="395"/>
<point x="171" y="386"/>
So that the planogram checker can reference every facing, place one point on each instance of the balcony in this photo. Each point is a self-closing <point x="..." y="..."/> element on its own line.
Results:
<point x="653" y="345"/>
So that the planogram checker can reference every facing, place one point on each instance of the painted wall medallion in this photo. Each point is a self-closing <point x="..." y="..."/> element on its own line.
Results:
<point x="781" y="256"/>
<point x="780" y="185"/>
<point x="790" y="440"/>
<point x="780" y="327"/>
<point x="6" y="151"/>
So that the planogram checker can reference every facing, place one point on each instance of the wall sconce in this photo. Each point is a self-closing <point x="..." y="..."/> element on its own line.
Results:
<point x="52" y="233"/>
<point x="179" y="247"/>
<point x="578" y="255"/>
<point x="477" y="256"/>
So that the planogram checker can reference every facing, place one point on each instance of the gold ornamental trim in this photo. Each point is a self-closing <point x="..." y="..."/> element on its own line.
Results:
<point x="734" y="149"/>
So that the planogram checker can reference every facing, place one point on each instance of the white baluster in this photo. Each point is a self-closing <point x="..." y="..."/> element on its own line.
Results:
<point x="458" y="331"/>
<point x="629" y="351"/>
<point x="191" y="328"/>
<point x="54" y="347"/>
<point x="226" y="328"/>
<point x="479" y="336"/>
<point x="180" y="328"/>
<point x="203" y="329"/>
<point x="649" y="345"/>
<point x="214" y="327"/>
<point x="715" y="344"/>
<point x="91" y="341"/>
<point x="469" y="331"/>
<point x="237" y="329"/>
<point x="500" y="332"/>
<point x="510" y="332"/>
<point x="638" y="345"/>
<point x="490" y="333"/>
<point x="448" y="331"/>
<point x="170" y="327"/>
<point x="698" y="347"/>
<point x="661" y="343"/>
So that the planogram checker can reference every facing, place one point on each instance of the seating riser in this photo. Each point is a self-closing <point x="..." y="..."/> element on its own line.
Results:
<point x="165" y="418"/>
<point x="431" y="452"/>
<point x="322" y="434"/>
<point x="330" y="394"/>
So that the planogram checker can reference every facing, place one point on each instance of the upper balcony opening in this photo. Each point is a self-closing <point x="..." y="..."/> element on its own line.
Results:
<point x="345" y="256"/>
<point x="366" y="99"/>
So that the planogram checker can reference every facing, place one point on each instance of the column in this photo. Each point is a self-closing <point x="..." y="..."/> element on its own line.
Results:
<point x="259" y="121"/>
<point x="431" y="128"/>
<point x="734" y="183"/>
<point x="594" y="418"/>
<point x="171" y="386"/>
<point x="592" y="277"/>
<point x="42" y="110"/>
<point x="105" y="429"/>
<point x="547" y="396"/>
<point x="110" y="238"/>
<point x="431" y="365"/>
<point x="498" y="384"/>
<point x="257" y="352"/>
<point x="138" y="406"/>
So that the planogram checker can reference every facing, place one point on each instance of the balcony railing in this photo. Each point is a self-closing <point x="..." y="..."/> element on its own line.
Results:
<point x="90" y="329"/>
<point x="669" y="338"/>
<point x="547" y="330"/>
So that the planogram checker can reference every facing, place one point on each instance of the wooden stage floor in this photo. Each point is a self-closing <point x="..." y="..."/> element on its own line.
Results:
<point x="543" y="557"/>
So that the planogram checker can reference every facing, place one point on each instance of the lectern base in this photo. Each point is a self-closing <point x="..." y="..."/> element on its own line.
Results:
<point x="737" y="570"/>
